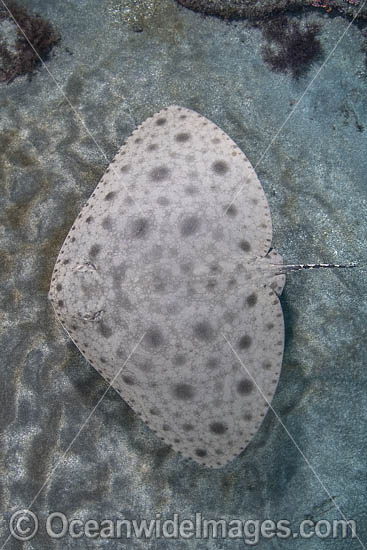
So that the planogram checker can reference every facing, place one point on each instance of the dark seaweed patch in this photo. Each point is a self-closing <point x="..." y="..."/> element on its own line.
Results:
<point x="24" y="59"/>
<point x="291" y="48"/>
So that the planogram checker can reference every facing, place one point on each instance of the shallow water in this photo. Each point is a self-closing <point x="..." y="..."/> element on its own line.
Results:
<point x="116" y="65"/>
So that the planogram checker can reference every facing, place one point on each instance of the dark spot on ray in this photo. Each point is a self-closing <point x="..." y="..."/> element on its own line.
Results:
<point x="191" y="190"/>
<point x="146" y="367"/>
<point x="138" y="140"/>
<point x="270" y="326"/>
<point x="189" y="225"/>
<point x="125" y="302"/>
<point x="231" y="211"/>
<point x="104" y="330"/>
<point x="60" y="303"/>
<point x="187" y="427"/>
<point x="155" y="412"/>
<point x="251" y="300"/>
<point x="58" y="287"/>
<point x="266" y="365"/>
<point x="218" y="428"/>
<point x="186" y="267"/>
<point x="153" y="338"/>
<point x="212" y="362"/>
<point x="159" y="173"/>
<point x="103" y="360"/>
<point x="89" y="219"/>
<point x="152" y="147"/>
<point x="107" y="223"/>
<point x="184" y="391"/>
<point x="94" y="250"/>
<point x="159" y="284"/>
<point x="247" y="417"/>
<point x="161" y="121"/>
<point x="220" y="167"/>
<point x="201" y="453"/>
<point x="179" y="359"/>
<point x="65" y="262"/>
<point x="245" y="342"/>
<point x="129" y="380"/>
<point x="229" y="316"/>
<point x="172" y="308"/>
<point x="163" y="201"/>
<point x="166" y="428"/>
<point x="245" y="246"/>
<point x="245" y="386"/>
<point x="204" y="331"/>
<point x="124" y="168"/>
<point x="182" y="137"/>
<point x="139" y="228"/>
<point x="211" y="284"/>
<point x="109" y="196"/>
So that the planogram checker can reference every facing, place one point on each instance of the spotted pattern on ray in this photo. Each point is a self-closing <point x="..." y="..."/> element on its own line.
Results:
<point x="161" y="250"/>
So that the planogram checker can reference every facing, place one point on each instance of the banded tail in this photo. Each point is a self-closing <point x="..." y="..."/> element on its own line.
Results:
<point x="283" y="269"/>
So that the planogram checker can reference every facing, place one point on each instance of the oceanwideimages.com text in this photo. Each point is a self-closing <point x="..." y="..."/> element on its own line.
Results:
<point x="24" y="525"/>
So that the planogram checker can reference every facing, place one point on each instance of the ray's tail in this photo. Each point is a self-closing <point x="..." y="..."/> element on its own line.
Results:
<point x="287" y="268"/>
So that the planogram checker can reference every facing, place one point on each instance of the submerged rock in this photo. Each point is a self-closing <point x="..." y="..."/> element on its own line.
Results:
<point x="259" y="8"/>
